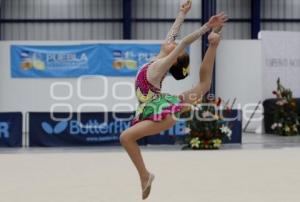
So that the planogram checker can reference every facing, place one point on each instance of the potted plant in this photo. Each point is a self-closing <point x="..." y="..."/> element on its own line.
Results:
<point x="206" y="127"/>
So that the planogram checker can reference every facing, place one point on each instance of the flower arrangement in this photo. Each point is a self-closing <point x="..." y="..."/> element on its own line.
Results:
<point x="285" y="118"/>
<point x="206" y="128"/>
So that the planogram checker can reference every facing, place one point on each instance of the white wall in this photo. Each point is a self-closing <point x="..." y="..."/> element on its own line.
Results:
<point x="34" y="94"/>
<point x="239" y="73"/>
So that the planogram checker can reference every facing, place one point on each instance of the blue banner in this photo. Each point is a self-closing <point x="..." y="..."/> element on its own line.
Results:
<point x="64" y="129"/>
<point x="125" y="59"/>
<point x="79" y="60"/>
<point x="235" y="125"/>
<point x="11" y="129"/>
<point x="87" y="129"/>
<point x="176" y="134"/>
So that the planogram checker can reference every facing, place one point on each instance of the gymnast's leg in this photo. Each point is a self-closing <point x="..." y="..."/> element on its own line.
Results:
<point x="142" y="129"/>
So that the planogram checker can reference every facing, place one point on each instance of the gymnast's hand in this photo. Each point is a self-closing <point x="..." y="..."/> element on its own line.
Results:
<point x="217" y="20"/>
<point x="214" y="39"/>
<point x="186" y="7"/>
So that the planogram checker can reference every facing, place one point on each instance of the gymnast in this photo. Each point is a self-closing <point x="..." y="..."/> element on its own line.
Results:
<point x="158" y="111"/>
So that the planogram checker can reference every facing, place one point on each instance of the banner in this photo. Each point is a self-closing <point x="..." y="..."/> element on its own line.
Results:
<point x="280" y="59"/>
<point x="64" y="129"/>
<point x="79" y="60"/>
<point x="235" y="118"/>
<point x="235" y="123"/>
<point x="88" y="129"/>
<point x="11" y="129"/>
<point x="125" y="59"/>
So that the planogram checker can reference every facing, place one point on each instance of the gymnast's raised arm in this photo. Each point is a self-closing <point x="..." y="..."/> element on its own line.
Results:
<point x="169" y="41"/>
<point x="163" y="65"/>
<point x="175" y="29"/>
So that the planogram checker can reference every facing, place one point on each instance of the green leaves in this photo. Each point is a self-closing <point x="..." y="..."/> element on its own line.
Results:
<point x="205" y="125"/>
<point x="285" y="118"/>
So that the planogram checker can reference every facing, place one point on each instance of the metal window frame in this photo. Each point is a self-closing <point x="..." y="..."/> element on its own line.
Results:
<point x="127" y="19"/>
<point x="255" y="18"/>
<point x="60" y="20"/>
<point x="209" y="8"/>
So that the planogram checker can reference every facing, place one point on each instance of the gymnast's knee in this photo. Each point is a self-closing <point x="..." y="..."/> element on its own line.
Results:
<point x="125" y="138"/>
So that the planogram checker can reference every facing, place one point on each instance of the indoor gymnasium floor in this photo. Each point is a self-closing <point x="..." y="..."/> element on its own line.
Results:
<point x="264" y="169"/>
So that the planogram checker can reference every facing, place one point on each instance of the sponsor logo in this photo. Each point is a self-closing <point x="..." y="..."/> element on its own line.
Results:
<point x="57" y="129"/>
<point x="4" y="127"/>
<point x="178" y="129"/>
<point x="93" y="127"/>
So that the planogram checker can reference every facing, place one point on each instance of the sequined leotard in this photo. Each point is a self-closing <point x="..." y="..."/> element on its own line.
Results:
<point x="153" y="105"/>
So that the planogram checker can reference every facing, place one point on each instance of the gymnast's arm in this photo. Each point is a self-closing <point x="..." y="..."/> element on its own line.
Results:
<point x="175" y="29"/>
<point x="162" y="66"/>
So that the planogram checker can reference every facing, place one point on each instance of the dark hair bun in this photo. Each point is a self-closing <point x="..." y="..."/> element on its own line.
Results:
<point x="180" y="69"/>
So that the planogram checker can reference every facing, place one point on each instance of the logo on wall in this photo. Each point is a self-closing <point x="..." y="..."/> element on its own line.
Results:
<point x="11" y="129"/>
<point x="78" y="60"/>
<point x="92" y="127"/>
<point x="56" y="129"/>
<point x="130" y="60"/>
<point x="30" y="60"/>
<point x="57" y="61"/>
<point x="54" y="61"/>
<point x="4" y="130"/>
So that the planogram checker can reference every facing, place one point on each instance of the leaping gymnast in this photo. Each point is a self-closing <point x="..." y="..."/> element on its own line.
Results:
<point x="158" y="111"/>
